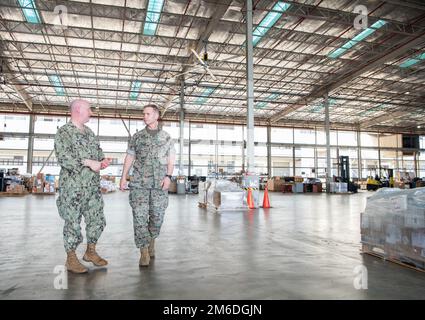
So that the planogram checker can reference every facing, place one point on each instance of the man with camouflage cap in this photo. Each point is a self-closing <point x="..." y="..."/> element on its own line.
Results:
<point x="152" y="152"/>
<point x="80" y="158"/>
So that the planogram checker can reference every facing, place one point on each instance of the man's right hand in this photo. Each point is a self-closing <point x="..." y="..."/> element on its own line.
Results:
<point x="93" y="164"/>
<point x="123" y="184"/>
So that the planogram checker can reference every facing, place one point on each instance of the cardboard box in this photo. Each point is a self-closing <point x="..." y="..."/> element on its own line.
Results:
<point x="418" y="239"/>
<point x="299" y="187"/>
<point x="317" y="188"/>
<point x="341" y="187"/>
<point x="287" y="187"/>
<point x="15" y="188"/>
<point x="270" y="185"/>
<point x="394" y="220"/>
<point x="399" y="184"/>
<point x="173" y="187"/>
<point x="228" y="199"/>
<point x="49" y="188"/>
<point x="275" y="184"/>
<point x="108" y="178"/>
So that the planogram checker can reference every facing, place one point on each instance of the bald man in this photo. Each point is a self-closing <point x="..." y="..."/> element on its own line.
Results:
<point x="80" y="158"/>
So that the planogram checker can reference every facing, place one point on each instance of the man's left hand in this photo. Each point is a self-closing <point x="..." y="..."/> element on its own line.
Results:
<point x="165" y="184"/>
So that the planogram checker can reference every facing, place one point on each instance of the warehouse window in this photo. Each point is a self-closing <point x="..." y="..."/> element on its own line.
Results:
<point x="225" y="127"/>
<point x="283" y="135"/>
<point x="14" y="123"/>
<point x="390" y="140"/>
<point x="347" y="138"/>
<point x="369" y="139"/>
<point x="48" y="125"/>
<point x="422" y="142"/>
<point x="304" y="136"/>
<point x="321" y="137"/>
<point x="14" y="143"/>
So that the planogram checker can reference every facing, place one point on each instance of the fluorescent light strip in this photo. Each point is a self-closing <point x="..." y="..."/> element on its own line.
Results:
<point x="412" y="61"/>
<point x="379" y="107"/>
<point x="268" y="21"/>
<point x="361" y="36"/>
<point x="271" y="97"/>
<point x="152" y="17"/>
<point x="56" y="81"/>
<point x="204" y="95"/>
<point x="30" y="11"/>
<point x="135" y="88"/>
<point x="318" y="108"/>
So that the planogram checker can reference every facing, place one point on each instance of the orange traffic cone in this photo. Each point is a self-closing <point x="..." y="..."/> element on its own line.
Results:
<point x="249" y="199"/>
<point x="266" y="201"/>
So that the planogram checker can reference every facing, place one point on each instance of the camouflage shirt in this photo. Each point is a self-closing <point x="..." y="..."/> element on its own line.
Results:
<point x="151" y="158"/>
<point x="72" y="146"/>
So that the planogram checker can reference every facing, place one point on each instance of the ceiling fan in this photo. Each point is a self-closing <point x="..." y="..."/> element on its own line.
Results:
<point x="203" y="64"/>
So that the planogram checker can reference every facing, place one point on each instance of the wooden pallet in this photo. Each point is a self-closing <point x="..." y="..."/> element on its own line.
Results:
<point x="368" y="249"/>
<point x="340" y="192"/>
<point x="44" y="193"/>
<point x="13" y="194"/>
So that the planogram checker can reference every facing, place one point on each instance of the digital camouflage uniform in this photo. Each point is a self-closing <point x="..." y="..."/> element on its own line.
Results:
<point x="147" y="199"/>
<point x="79" y="186"/>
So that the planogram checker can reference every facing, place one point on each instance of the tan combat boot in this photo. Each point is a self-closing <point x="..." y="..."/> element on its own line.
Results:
<point x="73" y="264"/>
<point x="152" y="248"/>
<point x="92" y="256"/>
<point x="144" y="257"/>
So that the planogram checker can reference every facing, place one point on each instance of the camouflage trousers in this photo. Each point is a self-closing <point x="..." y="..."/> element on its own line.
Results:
<point x="148" y="214"/>
<point x="72" y="205"/>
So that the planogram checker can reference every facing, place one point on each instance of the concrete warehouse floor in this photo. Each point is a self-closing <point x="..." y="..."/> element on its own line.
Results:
<point x="305" y="247"/>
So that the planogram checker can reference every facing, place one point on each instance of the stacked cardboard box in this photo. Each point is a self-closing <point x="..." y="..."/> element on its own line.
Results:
<point x="108" y="178"/>
<point x="228" y="199"/>
<point x="298" y="187"/>
<point x="317" y="187"/>
<point x="225" y="195"/>
<point x="107" y="184"/>
<point x="173" y="186"/>
<point x="393" y="225"/>
<point x="338" y="187"/>
<point x="399" y="184"/>
<point x="15" y="188"/>
<point x="275" y="184"/>
<point x="288" y="187"/>
<point x="298" y="179"/>
<point x="43" y="184"/>
<point x="12" y="185"/>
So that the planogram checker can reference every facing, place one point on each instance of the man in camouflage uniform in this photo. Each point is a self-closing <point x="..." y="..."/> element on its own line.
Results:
<point x="152" y="152"/>
<point x="80" y="158"/>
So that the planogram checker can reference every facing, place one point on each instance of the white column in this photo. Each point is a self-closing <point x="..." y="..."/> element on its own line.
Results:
<point x="181" y="128"/>
<point x="328" y="146"/>
<point x="30" y="143"/>
<point x="250" y="89"/>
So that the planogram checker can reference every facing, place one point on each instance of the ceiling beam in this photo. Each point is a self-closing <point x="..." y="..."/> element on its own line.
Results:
<point x="408" y="4"/>
<point x="344" y="78"/>
<point x="8" y="74"/>
<point x="383" y="118"/>
<point x="209" y="29"/>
